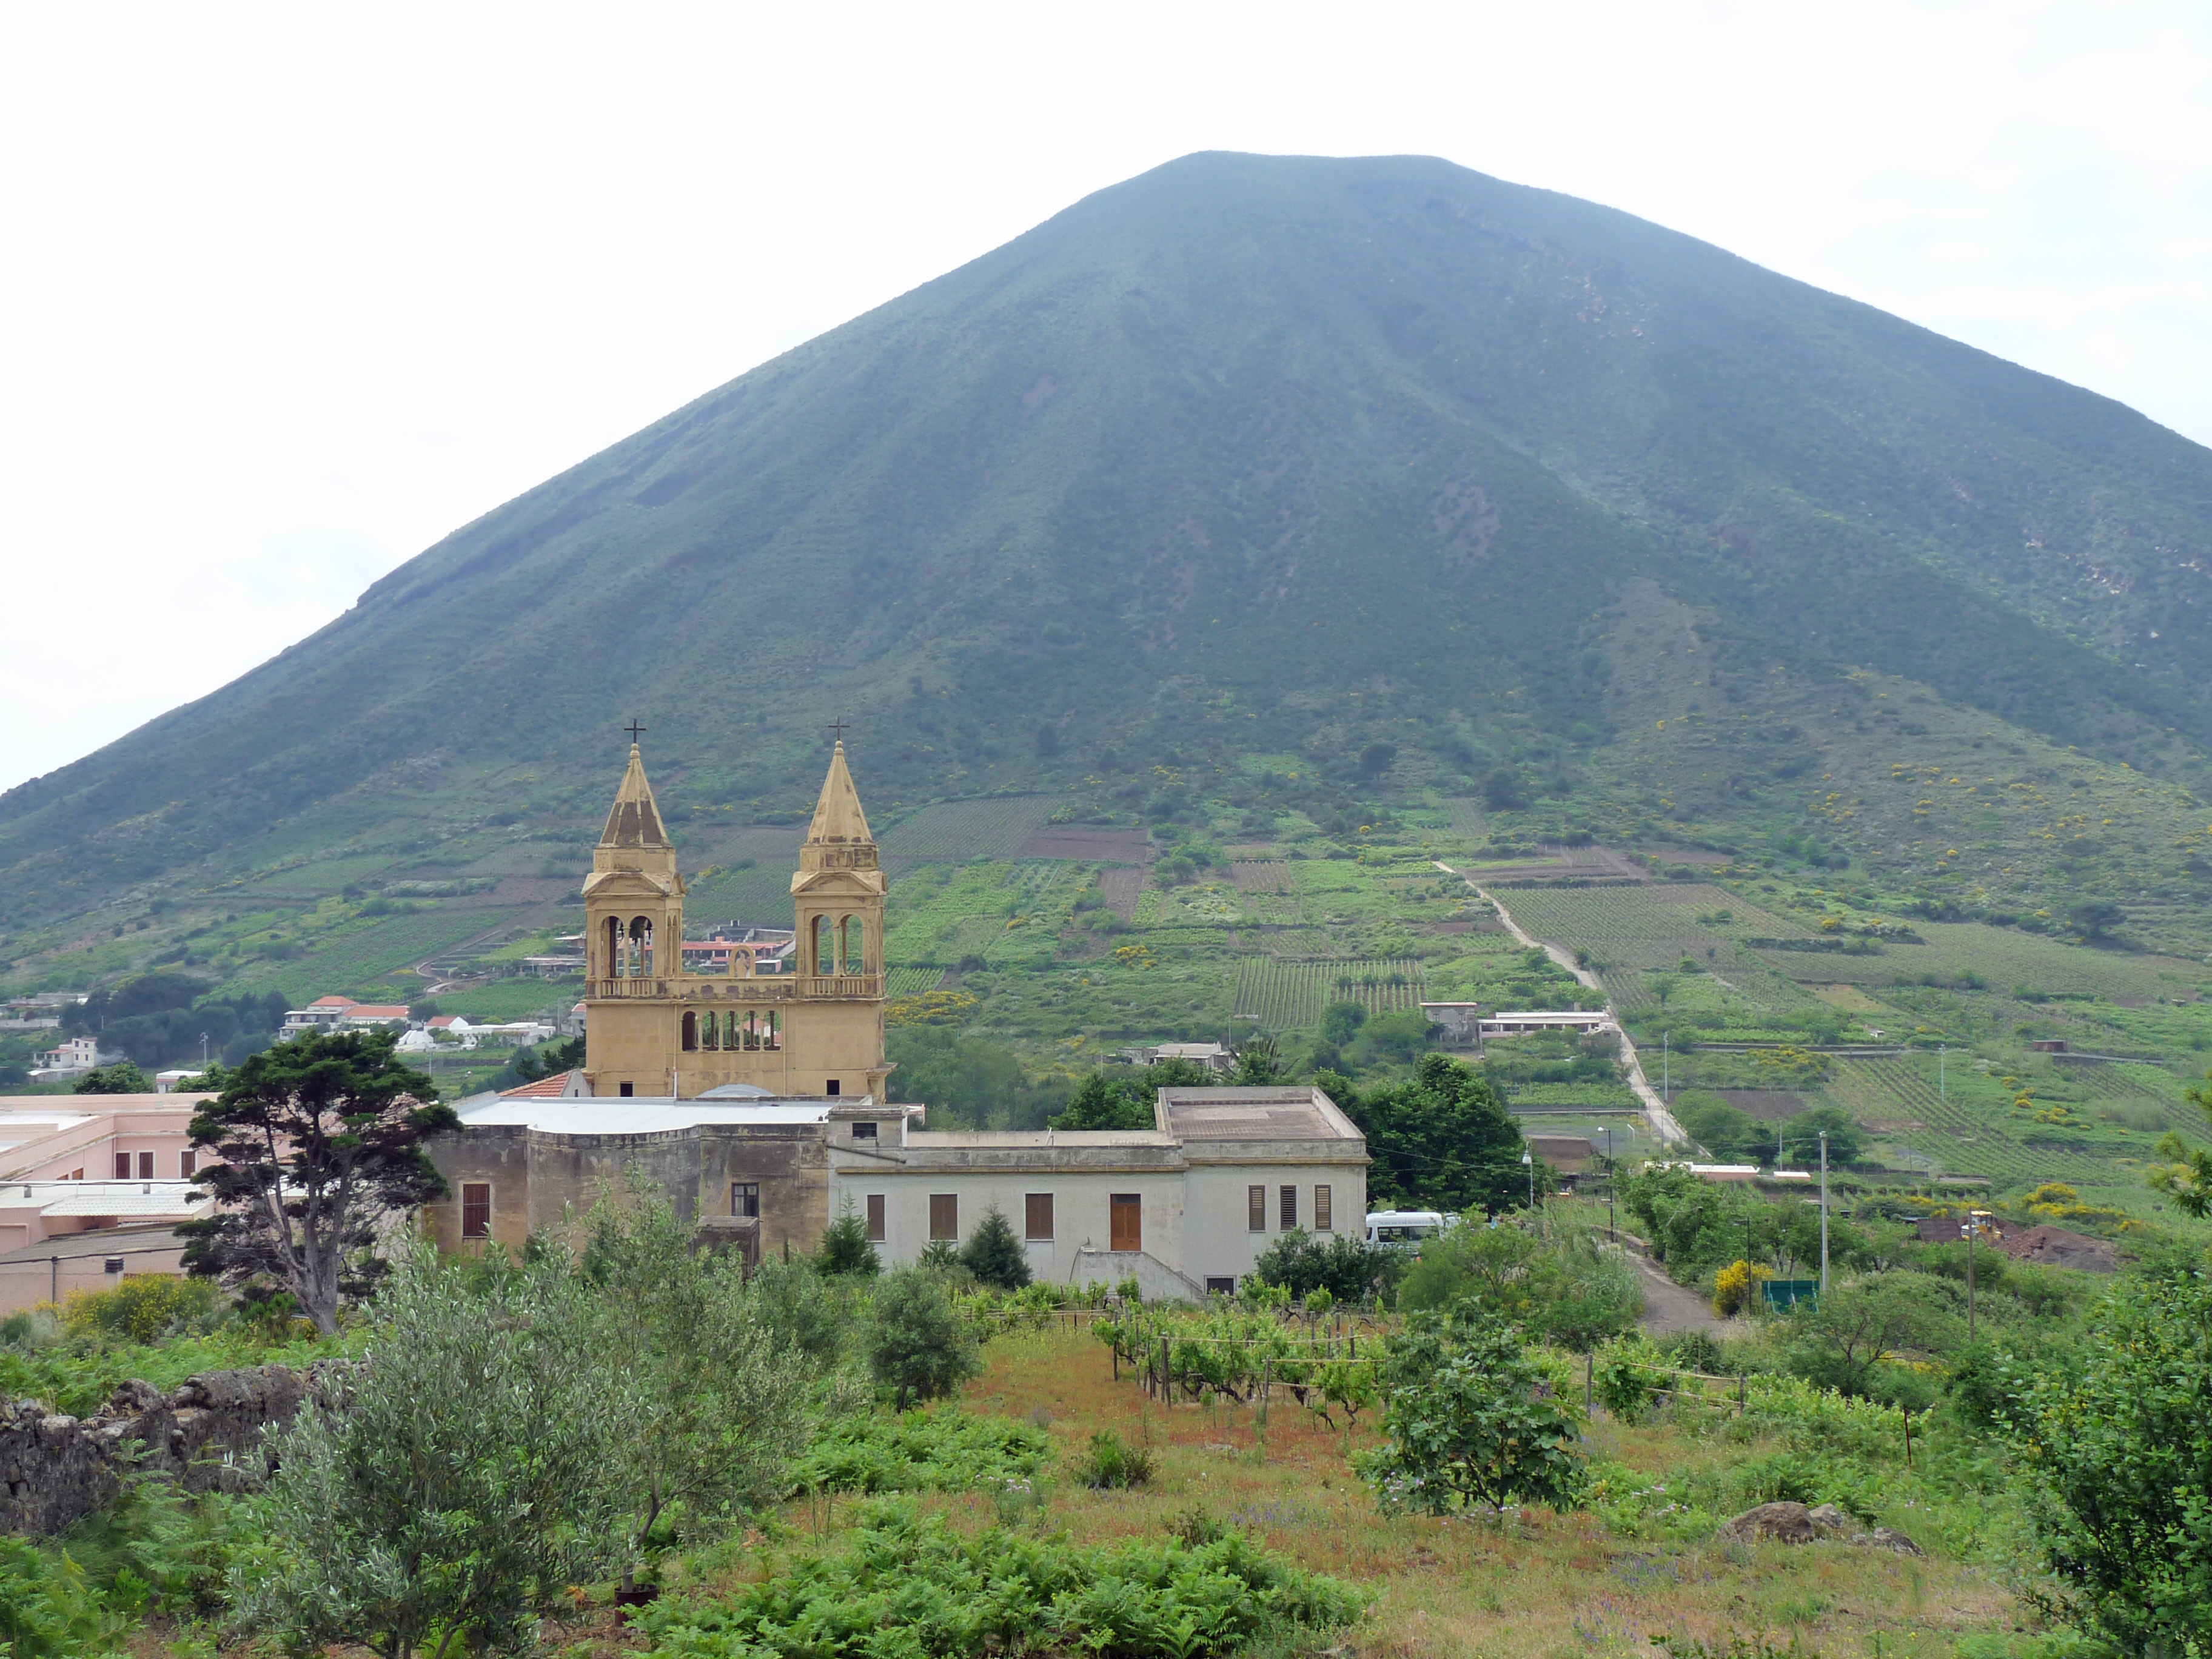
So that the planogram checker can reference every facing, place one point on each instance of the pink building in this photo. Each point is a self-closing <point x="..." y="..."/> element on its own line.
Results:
<point x="90" y="1187"/>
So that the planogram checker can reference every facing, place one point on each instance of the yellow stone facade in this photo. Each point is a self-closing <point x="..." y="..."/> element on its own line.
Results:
<point x="652" y="1028"/>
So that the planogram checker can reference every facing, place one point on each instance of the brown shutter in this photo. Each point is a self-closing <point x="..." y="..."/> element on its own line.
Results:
<point x="1255" y="1209"/>
<point x="1126" y="1218"/>
<point x="123" y="1166"/>
<point x="1324" y="1219"/>
<point x="944" y="1215"/>
<point x="1290" y="1209"/>
<point x="1036" y="1215"/>
<point x="875" y="1217"/>
<point x="475" y="1209"/>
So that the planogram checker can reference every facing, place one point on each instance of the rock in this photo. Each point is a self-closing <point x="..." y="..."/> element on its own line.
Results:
<point x="1882" y="1538"/>
<point x="1829" y="1518"/>
<point x="1781" y="1523"/>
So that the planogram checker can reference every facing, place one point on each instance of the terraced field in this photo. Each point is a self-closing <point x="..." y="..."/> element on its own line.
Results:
<point x="367" y="956"/>
<point x="1279" y="995"/>
<point x="993" y="829"/>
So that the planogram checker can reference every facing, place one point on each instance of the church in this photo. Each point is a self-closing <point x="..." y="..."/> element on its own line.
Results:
<point x="652" y="1027"/>
<point x="756" y="1097"/>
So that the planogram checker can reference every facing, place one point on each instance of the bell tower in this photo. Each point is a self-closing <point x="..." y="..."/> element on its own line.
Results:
<point x="634" y="897"/>
<point x="837" y="895"/>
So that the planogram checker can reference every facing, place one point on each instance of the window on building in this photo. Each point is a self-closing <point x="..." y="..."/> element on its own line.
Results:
<point x="627" y="1089"/>
<point x="944" y="1215"/>
<point x="832" y="1086"/>
<point x="1221" y="1287"/>
<point x="1126" y="1222"/>
<point x="1255" y="1202"/>
<point x="744" y="1199"/>
<point x="864" y="1132"/>
<point x="123" y="1166"/>
<point x="853" y="952"/>
<point x="475" y="1209"/>
<point x="825" y="945"/>
<point x="1324" y="1216"/>
<point x="145" y="1166"/>
<point x="1290" y="1209"/>
<point x="690" y="1032"/>
<point x="186" y="1164"/>
<point x="875" y="1217"/>
<point x="1036" y="1215"/>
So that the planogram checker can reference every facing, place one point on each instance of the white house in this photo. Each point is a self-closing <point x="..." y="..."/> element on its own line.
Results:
<point x="1186" y="1206"/>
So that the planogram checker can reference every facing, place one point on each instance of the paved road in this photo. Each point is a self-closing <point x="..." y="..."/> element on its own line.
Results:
<point x="1670" y="1132"/>
<point x="1669" y="1307"/>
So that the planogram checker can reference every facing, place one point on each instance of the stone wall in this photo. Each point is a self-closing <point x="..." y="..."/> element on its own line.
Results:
<point x="206" y="1433"/>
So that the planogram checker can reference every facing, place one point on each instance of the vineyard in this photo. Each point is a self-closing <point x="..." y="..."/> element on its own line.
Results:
<point x="375" y="953"/>
<point x="1279" y="995"/>
<point x="993" y="829"/>
<point x="1246" y="1351"/>
<point x="911" y="982"/>
<point x="2018" y="1128"/>
<point x="758" y="898"/>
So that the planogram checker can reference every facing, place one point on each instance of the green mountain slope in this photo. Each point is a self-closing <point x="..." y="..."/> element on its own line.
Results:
<point x="1382" y="467"/>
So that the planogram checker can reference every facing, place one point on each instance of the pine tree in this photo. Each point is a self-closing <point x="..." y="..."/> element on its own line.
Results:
<point x="994" y="1255"/>
<point x="846" y="1251"/>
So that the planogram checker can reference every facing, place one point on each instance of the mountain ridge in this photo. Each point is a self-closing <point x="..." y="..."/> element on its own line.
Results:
<point x="1369" y="449"/>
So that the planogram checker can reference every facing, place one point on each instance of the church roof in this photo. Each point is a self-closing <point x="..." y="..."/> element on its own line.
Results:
<point x="635" y="820"/>
<point x="837" y="816"/>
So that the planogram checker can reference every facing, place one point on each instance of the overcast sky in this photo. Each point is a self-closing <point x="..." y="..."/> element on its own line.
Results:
<point x="287" y="294"/>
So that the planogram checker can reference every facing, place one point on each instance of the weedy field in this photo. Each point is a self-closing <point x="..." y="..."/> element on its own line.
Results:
<point x="1609" y="1580"/>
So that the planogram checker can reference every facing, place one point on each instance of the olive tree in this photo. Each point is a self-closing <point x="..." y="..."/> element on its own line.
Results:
<point x="458" y="1477"/>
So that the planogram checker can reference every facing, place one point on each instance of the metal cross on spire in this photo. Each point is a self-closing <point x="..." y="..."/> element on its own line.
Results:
<point x="634" y="730"/>
<point x="839" y="726"/>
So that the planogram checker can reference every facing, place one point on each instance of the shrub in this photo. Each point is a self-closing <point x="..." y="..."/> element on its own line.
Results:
<point x="48" y="1608"/>
<point x="140" y="1307"/>
<point x="1470" y="1419"/>
<point x="994" y="1255"/>
<point x="921" y="1452"/>
<point x="1736" y="1286"/>
<point x="1571" y="1288"/>
<point x="2119" y="1446"/>
<point x="919" y="1346"/>
<point x="847" y="1252"/>
<point x="1112" y="1461"/>
<point x="1349" y="1269"/>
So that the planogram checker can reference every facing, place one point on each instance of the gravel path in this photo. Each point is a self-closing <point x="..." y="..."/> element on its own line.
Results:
<point x="1668" y="1307"/>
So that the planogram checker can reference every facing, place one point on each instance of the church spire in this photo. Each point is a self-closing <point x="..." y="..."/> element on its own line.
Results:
<point x="839" y="823"/>
<point x="635" y="820"/>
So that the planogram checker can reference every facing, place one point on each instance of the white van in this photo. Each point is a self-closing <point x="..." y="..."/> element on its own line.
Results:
<point x="1406" y="1229"/>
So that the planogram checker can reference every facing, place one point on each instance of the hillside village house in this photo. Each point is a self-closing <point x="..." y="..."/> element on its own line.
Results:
<point x="72" y="1057"/>
<point x="758" y="1101"/>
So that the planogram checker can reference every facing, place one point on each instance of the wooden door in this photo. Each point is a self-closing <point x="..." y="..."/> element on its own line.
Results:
<point x="1127" y="1215"/>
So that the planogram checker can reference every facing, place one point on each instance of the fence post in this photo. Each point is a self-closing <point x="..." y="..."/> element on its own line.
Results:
<point x="1589" y="1377"/>
<point x="1908" y="1438"/>
<point x="1167" y="1374"/>
<point x="1739" y="1394"/>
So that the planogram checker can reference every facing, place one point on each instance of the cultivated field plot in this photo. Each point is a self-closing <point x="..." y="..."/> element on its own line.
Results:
<point x="1280" y="994"/>
<point x="1057" y="840"/>
<point x="1270" y="876"/>
<point x="911" y="982"/>
<point x="968" y="828"/>
<point x="324" y="875"/>
<point x="2103" y="1133"/>
<point x="1633" y="931"/>
<point x="372" y="954"/>
<point x="1119" y="889"/>
<point x="1466" y="817"/>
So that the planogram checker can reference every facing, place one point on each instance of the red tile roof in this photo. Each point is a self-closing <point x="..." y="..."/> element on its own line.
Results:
<point x="546" y="1088"/>
<point x="333" y="1002"/>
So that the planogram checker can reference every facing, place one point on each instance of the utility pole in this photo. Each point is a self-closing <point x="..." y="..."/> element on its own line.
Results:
<point x="1531" y="1163"/>
<point x="1967" y="1228"/>
<point x="1611" y="1221"/>
<point x="1667" y="1065"/>
<point x="1824" y="1212"/>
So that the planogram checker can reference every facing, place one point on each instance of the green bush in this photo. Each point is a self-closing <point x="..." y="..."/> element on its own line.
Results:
<point x="2119" y="1446"/>
<point x="919" y="1346"/>
<point x="912" y="1587"/>
<point x="140" y="1307"/>
<point x="1349" y="1269"/>
<point x="1112" y="1461"/>
<point x="1571" y="1288"/>
<point x="847" y="1252"/>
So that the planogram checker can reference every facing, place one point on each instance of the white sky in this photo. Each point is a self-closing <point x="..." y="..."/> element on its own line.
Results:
<point x="289" y="293"/>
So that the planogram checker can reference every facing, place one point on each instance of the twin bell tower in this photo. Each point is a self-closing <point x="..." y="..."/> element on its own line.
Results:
<point x="664" y="1019"/>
